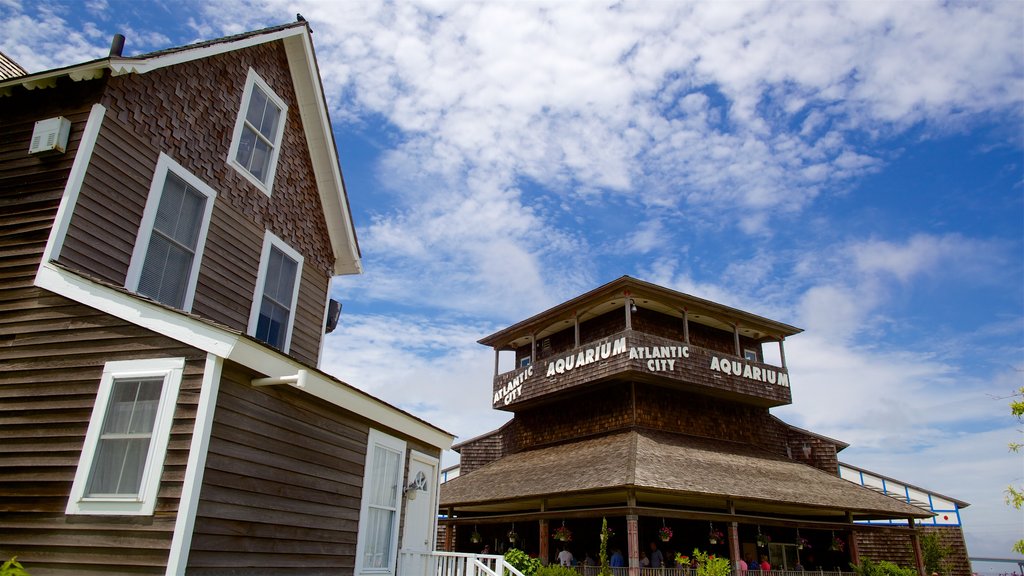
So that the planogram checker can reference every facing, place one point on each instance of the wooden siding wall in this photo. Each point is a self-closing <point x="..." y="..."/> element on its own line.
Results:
<point x="609" y="407"/>
<point x="483" y="450"/>
<point x="956" y="561"/>
<point x="52" y="352"/>
<point x="281" y="492"/>
<point x="188" y="111"/>
<point x="888" y="545"/>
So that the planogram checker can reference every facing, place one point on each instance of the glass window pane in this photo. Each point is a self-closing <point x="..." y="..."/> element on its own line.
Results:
<point x="377" y="553"/>
<point x="269" y="125"/>
<point x="166" y="271"/>
<point x="246" y="145"/>
<point x="257" y="107"/>
<point x="172" y="245"/>
<point x="260" y="163"/>
<point x="272" y="323"/>
<point x="120" y="458"/>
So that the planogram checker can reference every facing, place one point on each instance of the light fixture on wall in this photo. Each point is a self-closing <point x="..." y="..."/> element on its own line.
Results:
<point x="632" y="305"/>
<point x="418" y="483"/>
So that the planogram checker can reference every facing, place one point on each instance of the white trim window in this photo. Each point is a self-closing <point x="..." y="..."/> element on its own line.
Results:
<point x="123" y="455"/>
<point x="256" y="141"/>
<point x="172" y="233"/>
<point x="377" y="541"/>
<point x="277" y="290"/>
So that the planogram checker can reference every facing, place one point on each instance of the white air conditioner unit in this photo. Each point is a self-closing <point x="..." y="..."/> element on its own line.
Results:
<point x="50" y="136"/>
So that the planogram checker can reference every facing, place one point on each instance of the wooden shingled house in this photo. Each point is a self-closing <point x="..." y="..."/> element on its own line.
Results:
<point x="169" y="227"/>
<point x="650" y="408"/>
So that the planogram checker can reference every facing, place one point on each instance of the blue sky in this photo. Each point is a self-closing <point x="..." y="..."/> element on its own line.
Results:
<point x="851" y="168"/>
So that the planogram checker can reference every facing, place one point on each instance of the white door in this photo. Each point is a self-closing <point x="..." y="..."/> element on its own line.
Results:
<point x="420" y="528"/>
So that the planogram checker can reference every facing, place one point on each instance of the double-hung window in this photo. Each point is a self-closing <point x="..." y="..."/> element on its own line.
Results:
<point x="169" y="245"/>
<point x="256" y="141"/>
<point x="125" y="444"/>
<point x="277" y="290"/>
<point x="377" y="542"/>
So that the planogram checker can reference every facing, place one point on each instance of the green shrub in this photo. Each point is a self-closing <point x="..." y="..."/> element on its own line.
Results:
<point x="710" y="565"/>
<point x="883" y="568"/>
<point x="521" y="561"/>
<point x="603" y="552"/>
<point x="13" y="568"/>
<point x="557" y="571"/>
<point x="934" y="553"/>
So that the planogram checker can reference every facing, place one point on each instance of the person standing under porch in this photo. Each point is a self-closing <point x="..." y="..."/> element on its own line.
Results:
<point x="657" y="560"/>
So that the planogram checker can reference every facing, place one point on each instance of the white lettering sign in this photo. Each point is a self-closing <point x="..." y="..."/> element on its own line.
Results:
<point x="744" y="370"/>
<point x="513" y="388"/>
<point x="588" y="356"/>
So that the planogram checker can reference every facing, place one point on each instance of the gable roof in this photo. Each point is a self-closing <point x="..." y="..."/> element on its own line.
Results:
<point x="701" y="471"/>
<point x="311" y="103"/>
<point x="9" y="68"/>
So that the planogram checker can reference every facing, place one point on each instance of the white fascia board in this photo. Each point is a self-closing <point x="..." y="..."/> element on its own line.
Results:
<point x="234" y="347"/>
<point x="250" y="353"/>
<point x="326" y="169"/>
<point x="119" y="66"/>
<point x="151" y="316"/>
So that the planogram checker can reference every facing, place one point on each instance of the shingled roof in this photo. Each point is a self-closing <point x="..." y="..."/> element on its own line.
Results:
<point x="9" y="68"/>
<point x="695" y="468"/>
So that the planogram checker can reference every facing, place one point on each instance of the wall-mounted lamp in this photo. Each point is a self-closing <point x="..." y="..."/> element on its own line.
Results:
<point x="632" y="305"/>
<point x="417" y="484"/>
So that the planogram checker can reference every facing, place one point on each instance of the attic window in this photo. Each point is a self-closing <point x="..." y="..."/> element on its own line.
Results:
<point x="256" y="142"/>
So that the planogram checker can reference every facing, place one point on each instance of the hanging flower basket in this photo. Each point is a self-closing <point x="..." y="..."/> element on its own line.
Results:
<point x="682" y="560"/>
<point x="512" y="536"/>
<point x="665" y="533"/>
<point x="837" y="544"/>
<point x="715" y="536"/>
<point x="562" y="534"/>
<point x="802" y="543"/>
<point x="763" y="540"/>
<point x="475" y="537"/>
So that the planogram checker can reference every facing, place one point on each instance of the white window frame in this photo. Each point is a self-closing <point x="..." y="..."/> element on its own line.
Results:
<point x="751" y="355"/>
<point x="165" y="164"/>
<point x="253" y="79"/>
<point x="143" y="504"/>
<point x="386" y="441"/>
<point x="271" y="240"/>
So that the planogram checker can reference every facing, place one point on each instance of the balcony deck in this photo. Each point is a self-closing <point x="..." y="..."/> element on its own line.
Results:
<point x="639" y="356"/>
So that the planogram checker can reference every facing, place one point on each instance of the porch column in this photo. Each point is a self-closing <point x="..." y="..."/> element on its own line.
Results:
<point x="633" y="544"/>
<point x="736" y="338"/>
<point x="782" y="352"/>
<point x="915" y="543"/>
<point x="854" y="551"/>
<point x="628" y="303"/>
<point x="497" y="353"/>
<point x="533" y="349"/>
<point x="686" y="326"/>
<point x="576" y="322"/>
<point x="449" y="533"/>
<point x="734" y="544"/>
<point x="543" y="548"/>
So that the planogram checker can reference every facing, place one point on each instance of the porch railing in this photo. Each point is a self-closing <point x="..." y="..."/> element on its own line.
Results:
<point x="412" y="563"/>
<point x="593" y="571"/>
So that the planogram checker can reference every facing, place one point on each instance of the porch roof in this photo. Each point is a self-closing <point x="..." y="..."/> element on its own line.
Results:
<point x="689" y="471"/>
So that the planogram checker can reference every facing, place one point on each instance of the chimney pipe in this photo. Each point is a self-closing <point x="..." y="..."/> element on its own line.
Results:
<point x="117" y="45"/>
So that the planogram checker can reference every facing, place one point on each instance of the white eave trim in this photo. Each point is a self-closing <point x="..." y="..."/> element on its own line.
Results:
<point x="313" y="110"/>
<point x="234" y="347"/>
